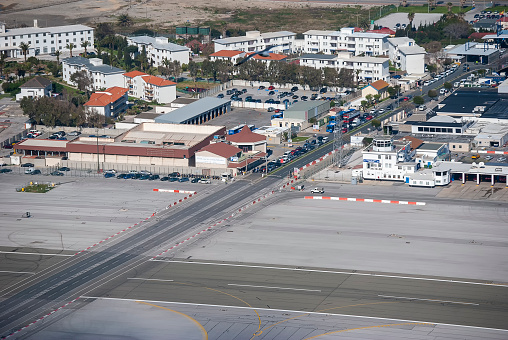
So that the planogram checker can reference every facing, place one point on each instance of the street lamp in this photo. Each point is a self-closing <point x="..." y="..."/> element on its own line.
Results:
<point x="98" y="164"/>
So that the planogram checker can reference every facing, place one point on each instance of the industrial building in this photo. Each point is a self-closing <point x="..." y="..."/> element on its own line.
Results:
<point x="197" y="112"/>
<point x="303" y="114"/>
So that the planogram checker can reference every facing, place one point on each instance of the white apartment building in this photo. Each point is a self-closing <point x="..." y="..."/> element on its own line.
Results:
<point x="256" y="41"/>
<point x="407" y="55"/>
<point x="44" y="40"/>
<point x="358" y="43"/>
<point x="103" y="76"/>
<point x="386" y="159"/>
<point x="159" y="48"/>
<point x="370" y="68"/>
<point x="149" y="88"/>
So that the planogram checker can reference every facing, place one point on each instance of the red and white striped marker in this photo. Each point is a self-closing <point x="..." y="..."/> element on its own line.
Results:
<point x="367" y="200"/>
<point x="216" y="224"/>
<point x="136" y="224"/>
<point x="492" y="152"/>
<point x="39" y="319"/>
<point x="177" y="191"/>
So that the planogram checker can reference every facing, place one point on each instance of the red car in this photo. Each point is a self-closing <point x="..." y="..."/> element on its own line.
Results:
<point x="344" y="130"/>
<point x="368" y="118"/>
<point x="271" y="87"/>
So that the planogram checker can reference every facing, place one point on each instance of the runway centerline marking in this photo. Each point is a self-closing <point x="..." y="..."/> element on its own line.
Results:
<point x="337" y="272"/>
<point x="430" y="300"/>
<point x="41" y="254"/>
<point x="9" y="271"/>
<point x="307" y="290"/>
<point x="141" y="278"/>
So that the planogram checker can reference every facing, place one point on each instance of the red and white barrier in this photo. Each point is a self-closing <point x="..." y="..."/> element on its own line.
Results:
<point x="137" y="224"/>
<point x="177" y="191"/>
<point x="39" y="319"/>
<point x="492" y="152"/>
<point x="367" y="200"/>
<point x="216" y="224"/>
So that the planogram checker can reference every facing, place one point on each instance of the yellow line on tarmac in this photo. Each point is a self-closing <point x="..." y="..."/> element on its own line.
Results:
<point x="171" y="310"/>
<point x="367" y="327"/>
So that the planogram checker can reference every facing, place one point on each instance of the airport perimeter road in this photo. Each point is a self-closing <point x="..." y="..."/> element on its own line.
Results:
<point x="42" y="293"/>
<point x="379" y="295"/>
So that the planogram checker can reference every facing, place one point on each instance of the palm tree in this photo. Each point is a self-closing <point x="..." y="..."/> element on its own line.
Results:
<point x="357" y="71"/>
<point x="404" y="3"/>
<point x="57" y="54"/>
<point x="24" y="48"/>
<point x="3" y="56"/>
<point x="70" y="47"/>
<point x="450" y="5"/>
<point x="411" y="17"/>
<point x="85" y="44"/>
<point x="124" y="20"/>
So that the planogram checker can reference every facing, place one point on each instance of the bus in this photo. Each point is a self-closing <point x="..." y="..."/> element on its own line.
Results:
<point x="330" y="127"/>
<point x="235" y="130"/>
<point x="349" y="116"/>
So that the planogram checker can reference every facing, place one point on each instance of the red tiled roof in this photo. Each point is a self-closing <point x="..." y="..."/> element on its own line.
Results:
<point x="222" y="149"/>
<point x="133" y="74"/>
<point x="157" y="81"/>
<point x="245" y="136"/>
<point x="503" y="19"/>
<point x="478" y="35"/>
<point x="384" y="30"/>
<point x="226" y="53"/>
<point x="273" y="56"/>
<point x="358" y="29"/>
<point x="379" y="84"/>
<point x="106" y="97"/>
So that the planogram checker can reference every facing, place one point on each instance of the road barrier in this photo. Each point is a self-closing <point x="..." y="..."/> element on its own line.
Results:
<point x="367" y="200"/>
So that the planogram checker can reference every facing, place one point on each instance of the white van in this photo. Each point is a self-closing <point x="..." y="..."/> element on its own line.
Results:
<point x="443" y="91"/>
<point x="456" y="84"/>
<point x="422" y="107"/>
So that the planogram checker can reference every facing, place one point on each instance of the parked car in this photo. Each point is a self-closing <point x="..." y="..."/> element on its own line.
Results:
<point x="35" y="172"/>
<point x="143" y="177"/>
<point x="183" y="179"/>
<point x="294" y="89"/>
<point x="173" y="179"/>
<point x="58" y="173"/>
<point x="220" y="95"/>
<point x="271" y="109"/>
<point x="153" y="177"/>
<point x="106" y="175"/>
<point x="3" y="171"/>
<point x="110" y="171"/>
<point x="205" y="181"/>
<point x="165" y="178"/>
<point x="64" y="168"/>
<point x="261" y="87"/>
<point x="27" y="165"/>
<point x="317" y="190"/>
<point x="195" y="180"/>
<point x="271" y="87"/>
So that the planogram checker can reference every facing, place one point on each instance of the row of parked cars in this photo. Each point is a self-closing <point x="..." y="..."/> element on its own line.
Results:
<point x="147" y="175"/>
<point x="289" y="155"/>
<point x="441" y="75"/>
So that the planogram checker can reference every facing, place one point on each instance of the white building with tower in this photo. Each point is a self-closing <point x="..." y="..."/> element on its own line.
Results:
<point x="44" y="40"/>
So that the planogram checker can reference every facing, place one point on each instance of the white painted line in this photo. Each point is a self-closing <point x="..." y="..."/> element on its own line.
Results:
<point x="295" y="311"/>
<point x="42" y="254"/>
<point x="431" y="300"/>
<point x="140" y="278"/>
<point x="339" y="272"/>
<point x="8" y="271"/>
<point x="307" y="290"/>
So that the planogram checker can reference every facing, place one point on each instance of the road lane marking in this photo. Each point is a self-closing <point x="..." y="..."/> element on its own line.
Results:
<point x="174" y="311"/>
<point x="296" y="311"/>
<point x="337" y="272"/>
<point x="42" y="254"/>
<point x="8" y="271"/>
<point x="431" y="300"/>
<point x="307" y="290"/>
<point x="140" y="278"/>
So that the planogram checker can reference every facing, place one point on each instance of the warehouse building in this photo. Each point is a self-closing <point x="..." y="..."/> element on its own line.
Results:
<point x="303" y="114"/>
<point x="197" y="112"/>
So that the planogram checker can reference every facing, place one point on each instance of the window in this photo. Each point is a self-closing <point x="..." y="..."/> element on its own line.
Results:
<point x="74" y="33"/>
<point x="36" y="41"/>
<point x="420" y="129"/>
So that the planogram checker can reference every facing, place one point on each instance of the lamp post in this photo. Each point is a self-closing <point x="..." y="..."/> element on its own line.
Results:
<point x="97" y="137"/>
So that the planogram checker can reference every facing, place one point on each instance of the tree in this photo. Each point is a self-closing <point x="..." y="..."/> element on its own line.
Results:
<point x="124" y="20"/>
<point x="457" y="30"/>
<point x="410" y="17"/>
<point x="449" y="5"/>
<point x="448" y="86"/>
<point x="82" y="80"/>
<point x="432" y="94"/>
<point x="24" y="48"/>
<point x="193" y="69"/>
<point x="376" y="123"/>
<point x="103" y="29"/>
<point x="54" y="68"/>
<point x="85" y="44"/>
<point x="3" y="56"/>
<point x="357" y="72"/>
<point x="70" y="47"/>
<point x="418" y="100"/>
